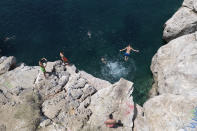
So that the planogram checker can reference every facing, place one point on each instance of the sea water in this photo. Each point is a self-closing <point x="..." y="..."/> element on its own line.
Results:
<point x="86" y="31"/>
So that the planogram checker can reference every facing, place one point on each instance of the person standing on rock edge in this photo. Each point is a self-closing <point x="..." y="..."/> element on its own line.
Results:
<point x="128" y="51"/>
<point x="64" y="59"/>
<point x="42" y="66"/>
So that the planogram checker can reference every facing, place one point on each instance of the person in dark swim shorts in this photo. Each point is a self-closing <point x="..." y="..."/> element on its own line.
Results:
<point x="128" y="51"/>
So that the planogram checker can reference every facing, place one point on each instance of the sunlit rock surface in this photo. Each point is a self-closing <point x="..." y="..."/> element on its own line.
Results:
<point x="183" y="22"/>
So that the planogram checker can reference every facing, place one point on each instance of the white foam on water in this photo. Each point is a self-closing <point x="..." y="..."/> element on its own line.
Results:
<point x="114" y="70"/>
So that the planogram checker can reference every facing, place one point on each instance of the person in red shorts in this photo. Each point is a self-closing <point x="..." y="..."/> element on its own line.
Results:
<point x="64" y="59"/>
<point x="111" y="123"/>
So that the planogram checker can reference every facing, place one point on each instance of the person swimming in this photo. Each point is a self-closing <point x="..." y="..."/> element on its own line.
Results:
<point x="89" y="34"/>
<point x="103" y="60"/>
<point x="42" y="66"/>
<point x="128" y="51"/>
<point x="9" y="38"/>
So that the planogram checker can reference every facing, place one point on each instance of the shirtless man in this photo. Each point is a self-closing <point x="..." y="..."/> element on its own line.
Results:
<point x="64" y="59"/>
<point x="128" y="51"/>
<point x="111" y="123"/>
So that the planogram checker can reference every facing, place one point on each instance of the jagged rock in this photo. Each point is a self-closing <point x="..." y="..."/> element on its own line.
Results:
<point x="74" y="105"/>
<point x="53" y="106"/>
<point x="86" y="102"/>
<point x="16" y="91"/>
<point x="23" y="116"/>
<point x="76" y="93"/>
<point x="3" y="99"/>
<point x="95" y="82"/>
<point x="22" y="76"/>
<point x="2" y="128"/>
<point x="63" y="80"/>
<point x="50" y="66"/>
<point x="65" y="98"/>
<point x="174" y="66"/>
<point x="188" y="3"/>
<point x="45" y="123"/>
<point x="75" y="82"/>
<point x="169" y="112"/>
<point x="71" y="69"/>
<point x="6" y="63"/>
<point x="139" y="121"/>
<point x="183" y="22"/>
<point x="88" y="91"/>
<point x="115" y="99"/>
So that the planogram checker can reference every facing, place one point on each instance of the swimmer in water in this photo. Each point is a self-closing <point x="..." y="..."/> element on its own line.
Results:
<point x="103" y="60"/>
<point x="89" y="34"/>
<point x="9" y="38"/>
<point x="128" y="51"/>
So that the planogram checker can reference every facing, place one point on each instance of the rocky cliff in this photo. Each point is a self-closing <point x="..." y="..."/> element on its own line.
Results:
<point x="72" y="100"/>
<point x="67" y="100"/>
<point x="173" y="102"/>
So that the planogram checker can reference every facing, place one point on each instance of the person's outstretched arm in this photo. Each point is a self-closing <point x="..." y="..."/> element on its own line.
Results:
<point x="123" y="49"/>
<point x="44" y="59"/>
<point x="134" y="50"/>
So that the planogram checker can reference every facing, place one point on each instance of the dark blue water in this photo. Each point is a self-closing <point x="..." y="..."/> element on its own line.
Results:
<point x="42" y="28"/>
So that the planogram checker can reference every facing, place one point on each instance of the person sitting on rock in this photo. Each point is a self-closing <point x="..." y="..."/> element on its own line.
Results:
<point x="64" y="59"/>
<point x="111" y="123"/>
<point x="42" y="66"/>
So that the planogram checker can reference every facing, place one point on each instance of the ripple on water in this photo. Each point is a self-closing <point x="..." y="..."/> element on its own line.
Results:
<point x="113" y="70"/>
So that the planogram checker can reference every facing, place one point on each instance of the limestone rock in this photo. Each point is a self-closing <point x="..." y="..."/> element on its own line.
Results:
<point x="45" y="123"/>
<point x="76" y="93"/>
<point x="95" y="82"/>
<point x="75" y="82"/>
<point x="71" y="69"/>
<point x="67" y="100"/>
<point x="88" y="91"/>
<point x="139" y="120"/>
<point x="183" y="22"/>
<point x="63" y="80"/>
<point x="6" y="63"/>
<point x="189" y="3"/>
<point x="53" y="106"/>
<point x="3" y="99"/>
<point x="23" y="116"/>
<point x="174" y="66"/>
<point x="116" y="100"/>
<point x="170" y="112"/>
<point x="22" y="76"/>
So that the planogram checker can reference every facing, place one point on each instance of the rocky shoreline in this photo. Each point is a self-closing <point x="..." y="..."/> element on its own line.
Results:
<point x="71" y="100"/>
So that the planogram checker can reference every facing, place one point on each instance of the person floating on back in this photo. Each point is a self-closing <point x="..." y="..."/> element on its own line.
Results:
<point x="64" y="59"/>
<point x="128" y="51"/>
<point x="42" y="66"/>
<point x="111" y="123"/>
